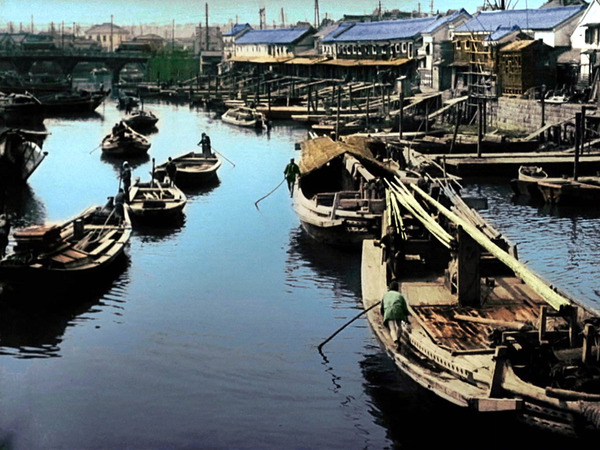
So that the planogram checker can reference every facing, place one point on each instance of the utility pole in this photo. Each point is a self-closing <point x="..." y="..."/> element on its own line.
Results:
<point x="282" y="19"/>
<point x="173" y="35"/>
<point x="111" y="32"/>
<point x="207" y="34"/>
<point x="261" y="13"/>
<point x="32" y="24"/>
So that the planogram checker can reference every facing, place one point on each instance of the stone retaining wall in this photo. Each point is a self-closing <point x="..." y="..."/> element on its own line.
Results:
<point x="523" y="115"/>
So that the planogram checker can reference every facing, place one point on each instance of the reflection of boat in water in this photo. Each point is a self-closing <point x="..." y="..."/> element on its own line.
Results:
<point x="485" y="333"/>
<point x="80" y="249"/>
<point x="20" y="154"/>
<point x="33" y="321"/>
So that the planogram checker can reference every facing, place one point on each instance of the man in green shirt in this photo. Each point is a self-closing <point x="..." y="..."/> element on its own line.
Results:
<point x="394" y="310"/>
<point x="290" y="172"/>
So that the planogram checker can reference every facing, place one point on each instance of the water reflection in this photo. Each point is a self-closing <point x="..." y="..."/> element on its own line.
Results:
<point x="33" y="320"/>
<point x="309" y="262"/>
<point x="22" y="205"/>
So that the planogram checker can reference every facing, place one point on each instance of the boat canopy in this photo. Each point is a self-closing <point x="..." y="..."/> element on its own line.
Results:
<point x="319" y="151"/>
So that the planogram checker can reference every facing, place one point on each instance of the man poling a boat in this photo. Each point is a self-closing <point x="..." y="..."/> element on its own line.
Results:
<point x="290" y="172"/>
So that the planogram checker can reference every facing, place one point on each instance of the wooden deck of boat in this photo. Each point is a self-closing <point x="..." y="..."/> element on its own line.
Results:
<point x="507" y="304"/>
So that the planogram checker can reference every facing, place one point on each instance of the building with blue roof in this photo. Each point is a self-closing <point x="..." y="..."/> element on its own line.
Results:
<point x="383" y="40"/>
<point x="435" y="54"/>
<point x="553" y="25"/>
<point x="477" y="43"/>
<point x="272" y="45"/>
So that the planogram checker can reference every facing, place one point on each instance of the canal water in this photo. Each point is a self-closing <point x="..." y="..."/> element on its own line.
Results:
<point x="208" y="336"/>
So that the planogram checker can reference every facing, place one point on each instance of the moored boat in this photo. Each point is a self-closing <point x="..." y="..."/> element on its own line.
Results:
<point x="244" y="116"/>
<point x="20" y="154"/>
<point x="20" y="106"/>
<point x="84" y="247"/>
<point x="155" y="201"/>
<point x="527" y="180"/>
<point x="338" y="198"/>
<point x="74" y="101"/>
<point x="193" y="169"/>
<point x="584" y="191"/>
<point x="484" y="333"/>
<point x="123" y="141"/>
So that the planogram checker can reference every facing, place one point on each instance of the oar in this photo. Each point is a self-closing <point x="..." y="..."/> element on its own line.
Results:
<point x="222" y="155"/>
<point x="262" y="198"/>
<point x="95" y="148"/>
<point x="346" y="324"/>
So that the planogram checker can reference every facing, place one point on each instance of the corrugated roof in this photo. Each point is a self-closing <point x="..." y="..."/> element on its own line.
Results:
<point x="237" y="28"/>
<point x="443" y="20"/>
<point x="273" y="36"/>
<point x="527" y="19"/>
<point x="379" y="31"/>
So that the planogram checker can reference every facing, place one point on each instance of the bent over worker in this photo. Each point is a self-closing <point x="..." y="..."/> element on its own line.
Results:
<point x="394" y="310"/>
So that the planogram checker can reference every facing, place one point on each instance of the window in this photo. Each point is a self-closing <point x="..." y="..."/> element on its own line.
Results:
<point x="404" y="47"/>
<point x="457" y="45"/>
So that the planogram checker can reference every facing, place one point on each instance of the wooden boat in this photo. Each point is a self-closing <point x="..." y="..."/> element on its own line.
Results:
<point x="333" y="198"/>
<point x="74" y="101"/>
<point x="84" y="247"/>
<point x="20" y="106"/>
<point x="124" y="141"/>
<point x="155" y="201"/>
<point x="527" y="180"/>
<point x="244" y="117"/>
<point x="485" y="332"/>
<point x="141" y="120"/>
<point x="193" y="169"/>
<point x="571" y="192"/>
<point x="20" y="154"/>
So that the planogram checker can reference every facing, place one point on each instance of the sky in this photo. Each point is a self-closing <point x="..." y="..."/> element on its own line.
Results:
<point x="220" y="12"/>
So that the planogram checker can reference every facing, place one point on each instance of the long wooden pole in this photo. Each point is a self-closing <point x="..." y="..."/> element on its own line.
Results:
<point x="346" y="324"/>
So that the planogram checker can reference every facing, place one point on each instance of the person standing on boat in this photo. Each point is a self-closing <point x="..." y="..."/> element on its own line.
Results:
<point x="4" y="232"/>
<point x="392" y="250"/>
<point x="171" y="171"/>
<point x="205" y="144"/>
<point x="126" y="176"/>
<point x="290" y="173"/>
<point x="394" y="310"/>
<point x="120" y="200"/>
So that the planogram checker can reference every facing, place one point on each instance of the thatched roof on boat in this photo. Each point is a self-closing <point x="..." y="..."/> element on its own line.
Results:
<point x="319" y="151"/>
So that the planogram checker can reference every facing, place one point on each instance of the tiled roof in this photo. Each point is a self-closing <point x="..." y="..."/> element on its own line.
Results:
<point x="442" y="20"/>
<point x="273" y="36"/>
<point x="526" y="19"/>
<point x="106" y="28"/>
<point x="237" y="28"/>
<point x="379" y="31"/>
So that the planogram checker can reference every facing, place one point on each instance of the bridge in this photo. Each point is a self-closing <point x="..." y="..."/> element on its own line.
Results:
<point x="68" y="59"/>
